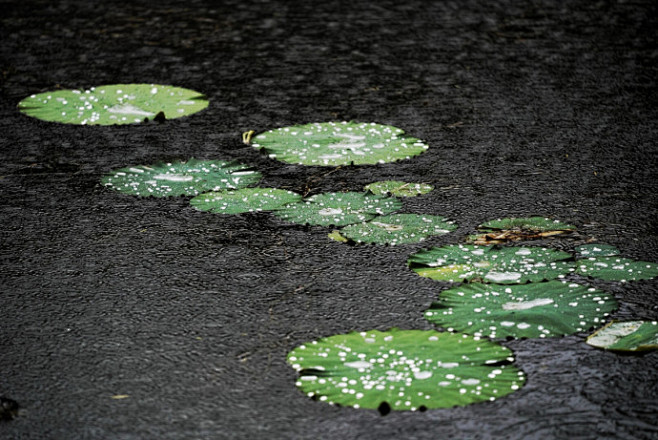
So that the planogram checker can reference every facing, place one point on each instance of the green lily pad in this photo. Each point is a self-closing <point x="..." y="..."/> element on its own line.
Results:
<point x="596" y="250"/>
<point x="338" y="209"/>
<point x="518" y="229"/>
<point x="404" y="370"/>
<point x="626" y="336"/>
<point x="398" y="188"/>
<point x="398" y="228"/>
<point x="338" y="143"/>
<point x="113" y="104"/>
<point x="244" y="200"/>
<point x="617" y="269"/>
<point x="180" y="178"/>
<point x="536" y="310"/>
<point x="509" y="265"/>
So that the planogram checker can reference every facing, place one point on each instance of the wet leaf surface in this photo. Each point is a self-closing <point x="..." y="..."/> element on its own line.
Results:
<point x="338" y="143"/>
<point x="596" y="250"/>
<point x="244" y="200"/>
<point x="405" y="370"/>
<point x="617" y="269"/>
<point x="536" y="310"/>
<point x="519" y="229"/>
<point x="398" y="229"/>
<point x="398" y="188"/>
<point x="626" y="336"/>
<point x="116" y="104"/>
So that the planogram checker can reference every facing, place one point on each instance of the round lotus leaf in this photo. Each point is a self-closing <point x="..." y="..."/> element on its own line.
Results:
<point x="536" y="310"/>
<point x="113" y="104"/>
<point x="596" y="250"/>
<point x="338" y="209"/>
<point x="626" y="336"/>
<point x="617" y="269"/>
<point x="180" y="178"/>
<point x="398" y="228"/>
<point x="404" y="370"/>
<point x="244" y="200"/>
<point x="518" y="229"/>
<point x="398" y="188"/>
<point x="508" y="265"/>
<point x="338" y="143"/>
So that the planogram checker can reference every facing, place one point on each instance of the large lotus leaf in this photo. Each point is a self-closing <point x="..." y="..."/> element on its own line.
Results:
<point x="617" y="269"/>
<point x="244" y="200"/>
<point x="113" y="104"/>
<point x="535" y="310"/>
<point x="404" y="370"/>
<point x="338" y="209"/>
<point x="398" y="188"/>
<point x="517" y="229"/>
<point x="509" y="265"/>
<point x="180" y="178"/>
<point x="596" y="250"/>
<point x="338" y="143"/>
<point x="626" y="336"/>
<point x="398" y="228"/>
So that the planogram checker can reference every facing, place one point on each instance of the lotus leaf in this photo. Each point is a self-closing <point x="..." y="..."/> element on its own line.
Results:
<point x="596" y="250"/>
<point x="399" y="189"/>
<point x="536" y="310"/>
<point x="113" y="104"/>
<point x="338" y="143"/>
<point x="517" y="229"/>
<point x="244" y="200"/>
<point x="338" y="209"/>
<point x="617" y="269"/>
<point x="626" y="336"/>
<point x="180" y="178"/>
<point x="398" y="228"/>
<point x="509" y="265"/>
<point x="404" y="370"/>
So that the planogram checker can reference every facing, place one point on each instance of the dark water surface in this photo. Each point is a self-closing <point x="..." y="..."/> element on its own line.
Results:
<point x="541" y="108"/>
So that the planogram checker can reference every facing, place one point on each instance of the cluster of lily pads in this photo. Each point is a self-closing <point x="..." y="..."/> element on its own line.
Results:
<point x="502" y="291"/>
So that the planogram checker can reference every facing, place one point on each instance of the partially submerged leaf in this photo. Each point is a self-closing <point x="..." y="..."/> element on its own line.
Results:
<point x="626" y="336"/>
<point x="617" y="269"/>
<point x="335" y="236"/>
<point x="596" y="250"/>
<point x="404" y="370"/>
<point x="338" y="209"/>
<point x="338" y="143"/>
<point x="518" y="229"/>
<point x="398" y="228"/>
<point x="398" y="188"/>
<point x="509" y="265"/>
<point x="113" y="104"/>
<point x="180" y="178"/>
<point x="536" y="310"/>
<point x="244" y="200"/>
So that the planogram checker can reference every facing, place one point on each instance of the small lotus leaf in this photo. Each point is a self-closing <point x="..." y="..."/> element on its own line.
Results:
<point x="180" y="178"/>
<point x="518" y="229"/>
<point x="244" y="200"/>
<point x="626" y="336"/>
<point x="617" y="269"/>
<point x="338" y="143"/>
<point x="398" y="228"/>
<point x="113" y="104"/>
<point x="338" y="209"/>
<point x="596" y="250"/>
<point x="399" y="189"/>
<point x="404" y="370"/>
<point x="509" y="265"/>
<point x="536" y="310"/>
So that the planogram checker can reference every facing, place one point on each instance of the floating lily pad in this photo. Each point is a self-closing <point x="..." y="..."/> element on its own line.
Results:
<point x="535" y="310"/>
<point x="596" y="250"/>
<point x="398" y="229"/>
<point x="338" y="209"/>
<point x="338" y="143"/>
<point x="509" y="265"/>
<point x="180" y="178"/>
<point x="113" y="104"/>
<point x="626" y="336"/>
<point x="335" y="236"/>
<point x="617" y="269"/>
<point x="398" y="188"/>
<point x="404" y="370"/>
<point x="518" y="229"/>
<point x="244" y="200"/>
